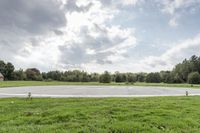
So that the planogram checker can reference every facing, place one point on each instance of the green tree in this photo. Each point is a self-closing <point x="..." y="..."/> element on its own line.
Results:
<point x="105" y="77"/>
<point x="141" y="77"/>
<point x="84" y="77"/>
<point x="118" y="77"/>
<point x="19" y="75"/>
<point x="9" y="71"/>
<point x="44" y="75"/>
<point x="194" y="63"/>
<point x="2" y="67"/>
<point x="166" y="77"/>
<point x="94" y="77"/>
<point x="153" y="78"/>
<point x="33" y="74"/>
<point x="131" y="78"/>
<point x="182" y="70"/>
<point x="53" y="75"/>
<point x="194" y="78"/>
<point x="185" y="69"/>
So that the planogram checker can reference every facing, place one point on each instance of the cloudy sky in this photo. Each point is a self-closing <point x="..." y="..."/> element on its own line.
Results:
<point x="98" y="35"/>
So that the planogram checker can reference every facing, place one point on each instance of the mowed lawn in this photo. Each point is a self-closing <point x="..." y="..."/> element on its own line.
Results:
<point x="53" y="83"/>
<point x="99" y="115"/>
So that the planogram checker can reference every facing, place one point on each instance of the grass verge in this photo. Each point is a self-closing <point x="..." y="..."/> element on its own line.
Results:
<point x="52" y="83"/>
<point x="114" y="115"/>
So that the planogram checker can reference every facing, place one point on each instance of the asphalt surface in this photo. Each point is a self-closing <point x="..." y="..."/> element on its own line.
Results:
<point x="94" y="91"/>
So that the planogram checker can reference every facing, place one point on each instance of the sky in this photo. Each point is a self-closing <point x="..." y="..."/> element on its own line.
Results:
<point x="99" y="35"/>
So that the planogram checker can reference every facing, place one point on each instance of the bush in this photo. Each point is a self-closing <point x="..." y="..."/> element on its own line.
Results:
<point x="33" y="74"/>
<point x="194" y="78"/>
<point x="153" y="78"/>
<point x="119" y="77"/>
<point x="131" y="78"/>
<point x="105" y="77"/>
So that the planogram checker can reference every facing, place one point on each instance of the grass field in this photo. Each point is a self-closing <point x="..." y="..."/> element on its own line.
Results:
<point x="114" y="115"/>
<point x="44" y="83"/>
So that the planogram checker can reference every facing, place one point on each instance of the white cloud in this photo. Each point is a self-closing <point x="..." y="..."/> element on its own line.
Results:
<point x="74" y="34"/>
<point x="177" y="7"/>
<point x="91" y="38"/>
<point x="179" y="51"/>
<point x="171" y="6"/>
<point x="67" y="34"/>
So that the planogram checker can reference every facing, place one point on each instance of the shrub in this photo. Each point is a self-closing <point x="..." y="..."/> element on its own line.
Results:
<point x="153" y="78"/>
<point x="105" y="77"/>
<point x="194" y="78"/>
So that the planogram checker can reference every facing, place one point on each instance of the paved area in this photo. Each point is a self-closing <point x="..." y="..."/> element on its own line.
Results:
<point x="94" y="91"/>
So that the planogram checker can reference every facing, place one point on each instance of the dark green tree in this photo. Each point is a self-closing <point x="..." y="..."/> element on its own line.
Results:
<point x="131" y="78"/>
<point x="33" y="74"/>
<point x="141" y="77"/>
<point x="105" y="77"/>
<point x="19" y="75"/>
<point x="194" y="63"/>
<point x="153" y="78"/>
<point x="54" y="75"/>
<point x="194" y="78"/>
<point x="9" y="71"/>
<point x="166" y="77"/>
<point x="84" y="77"/>
<point x="118" y="77"/>
<point x="2" y="67"/>
<point x="94" y="77"/>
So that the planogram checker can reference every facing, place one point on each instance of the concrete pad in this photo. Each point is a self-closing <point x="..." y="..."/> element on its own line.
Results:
<point x="95" y="91"/>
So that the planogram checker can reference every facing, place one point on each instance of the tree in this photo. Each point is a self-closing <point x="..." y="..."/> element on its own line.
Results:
<point x="131" y="78"/>
<point x="94" y="77"/>
<point x="194" y="78"/>
<point x="182" y="70"/>
<point x="153" y="78"/>
<point x="185" y="69"/>
<point x="166" y="77"/>
<point x="2" y="67"/>
<point x="33" y="74"/>
<point x="194" y="63"/>
<point x="105" y="77"/>
<point x="44" y="75"/>
<point x="9" y="69"/>
<point x="54" y="75"/>
<point x="19" y="75"/>
<point x="85" y="77"/>
<point x="141" y="77"/>
<point x="177" y="74"/>
<point x="118" y="77"/>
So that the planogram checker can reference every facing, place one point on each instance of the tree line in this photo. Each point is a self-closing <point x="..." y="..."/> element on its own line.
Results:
<point x="186" y="72"/>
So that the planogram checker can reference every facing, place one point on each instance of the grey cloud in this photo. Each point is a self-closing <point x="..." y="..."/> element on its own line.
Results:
<point x="102" y="61"/>
<point x="102" y="41"/>
<point x="73" y="52"/>
<point x="34" y="41"/>
<point x="158" y="63"/>
<point x="58" y="32"/>
<point x="9" y="48"/>
<point x="73" y="55"/>
<point x="24" y="22"/>
<point x="33" y="16"/>
<point x="77" y="55"/>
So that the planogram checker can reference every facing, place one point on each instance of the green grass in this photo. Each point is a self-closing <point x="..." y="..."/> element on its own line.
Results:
<point x="99" y="115"/>
<point x="45" y="83"/>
